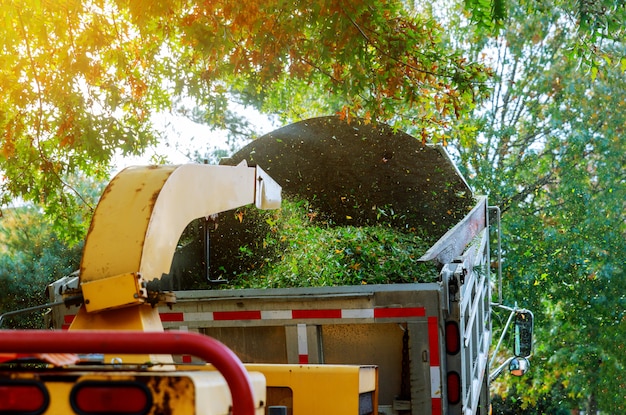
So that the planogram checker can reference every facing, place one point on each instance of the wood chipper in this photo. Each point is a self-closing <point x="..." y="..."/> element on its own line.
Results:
<point x="399" y="348"/>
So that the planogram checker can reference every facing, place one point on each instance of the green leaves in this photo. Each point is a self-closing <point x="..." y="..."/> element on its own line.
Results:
<point x="551" y="155"/>
<point x="487" y="15"/>
<point x="80" y="80"/>
<point x="32" y="257"/>
<point x="300" y="251"/>
<point x="354" y="58"/>
<point x="71" y="95"/>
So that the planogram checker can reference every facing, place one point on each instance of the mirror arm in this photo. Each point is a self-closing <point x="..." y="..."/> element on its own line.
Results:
<point x="506" y="328"/>
<point x="498" y="371"/>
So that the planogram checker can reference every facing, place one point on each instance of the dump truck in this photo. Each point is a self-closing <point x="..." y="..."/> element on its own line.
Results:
<point x="396" y="348"/>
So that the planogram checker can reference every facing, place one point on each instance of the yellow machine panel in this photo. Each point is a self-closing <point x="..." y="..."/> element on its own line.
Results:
<point x="180" y="393"/>
<point x="321" y="389"/>
<point x="114" y="292"/>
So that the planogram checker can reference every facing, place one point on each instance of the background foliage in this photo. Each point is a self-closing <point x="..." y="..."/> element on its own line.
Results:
<point x="32" y="256"/>
<point x="550" y="153"/>
<point x="34" y="252"/>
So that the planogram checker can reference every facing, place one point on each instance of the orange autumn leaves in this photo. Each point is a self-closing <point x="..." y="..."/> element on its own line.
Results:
<point x="370" y="57"/>
<point x="81" y="80"/>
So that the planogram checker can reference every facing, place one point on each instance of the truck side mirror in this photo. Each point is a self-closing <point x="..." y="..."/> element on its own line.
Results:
<point x="523" y="333"/>
<point x="518" y="366"/>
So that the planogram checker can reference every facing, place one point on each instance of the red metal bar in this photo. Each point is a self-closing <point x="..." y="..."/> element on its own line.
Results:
<point x="134" y="342"/>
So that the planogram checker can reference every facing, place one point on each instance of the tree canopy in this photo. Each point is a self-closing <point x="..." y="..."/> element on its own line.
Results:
<point x="82" y="80"/>
<point x="550" y="153"/>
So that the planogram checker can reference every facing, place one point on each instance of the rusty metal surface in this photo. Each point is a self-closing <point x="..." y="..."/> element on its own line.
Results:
<point x="114" y="243"/>
<point x="144" y="210"/>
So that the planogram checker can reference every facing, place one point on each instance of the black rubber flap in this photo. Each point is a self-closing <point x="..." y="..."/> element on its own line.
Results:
<point x="357" y="174"/>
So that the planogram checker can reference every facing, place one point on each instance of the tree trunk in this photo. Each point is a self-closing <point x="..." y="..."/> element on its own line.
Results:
<point x="592" y="405"/>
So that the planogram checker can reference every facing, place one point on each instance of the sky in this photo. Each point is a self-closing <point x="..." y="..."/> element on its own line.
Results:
<point x="184" y="136"/>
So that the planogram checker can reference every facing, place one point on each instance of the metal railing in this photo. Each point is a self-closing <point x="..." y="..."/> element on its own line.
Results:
<point x="476" y="335"/>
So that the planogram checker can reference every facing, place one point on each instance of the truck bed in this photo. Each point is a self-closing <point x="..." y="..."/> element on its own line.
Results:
<point x="355" y="325"/>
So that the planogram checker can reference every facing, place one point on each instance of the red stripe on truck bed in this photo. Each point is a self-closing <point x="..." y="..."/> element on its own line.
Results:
<point x="172" y="317"/>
